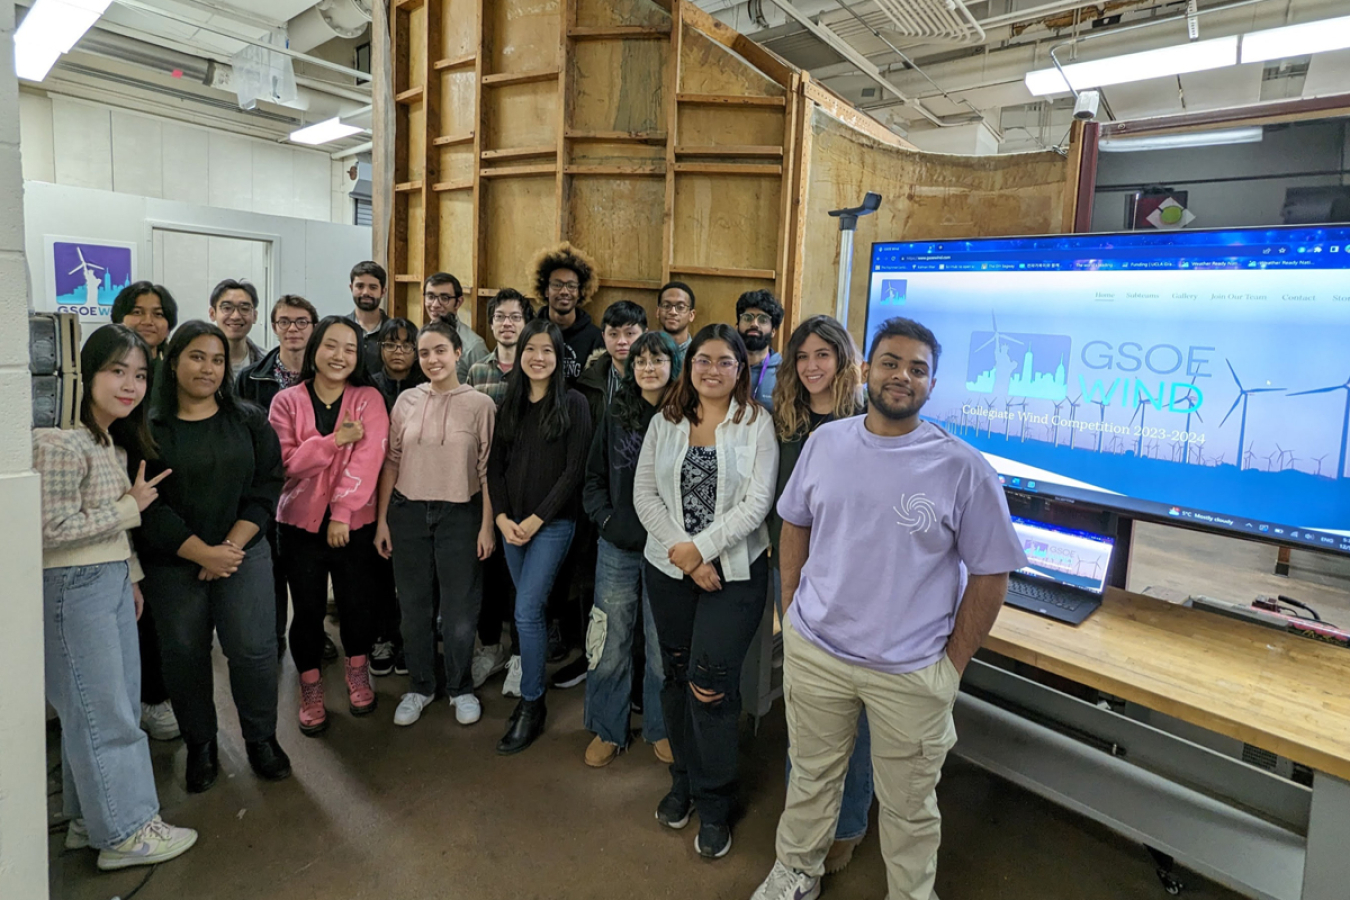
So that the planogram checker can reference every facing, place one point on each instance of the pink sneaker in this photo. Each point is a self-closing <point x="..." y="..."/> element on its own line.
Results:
<point x="360" y="695"/>
<point x="313" y="717"/>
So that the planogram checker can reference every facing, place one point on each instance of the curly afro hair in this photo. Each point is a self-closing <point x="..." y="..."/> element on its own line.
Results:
<point x="564" y="256"/>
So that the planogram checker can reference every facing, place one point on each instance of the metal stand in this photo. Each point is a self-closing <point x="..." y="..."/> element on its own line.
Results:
<point x="848" y="223"/>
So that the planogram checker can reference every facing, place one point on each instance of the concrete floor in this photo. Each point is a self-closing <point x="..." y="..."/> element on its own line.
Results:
<point x="374" y="811"/>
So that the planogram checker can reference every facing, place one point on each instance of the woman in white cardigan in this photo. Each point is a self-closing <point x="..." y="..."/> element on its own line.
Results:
<point x="703" y="488"/>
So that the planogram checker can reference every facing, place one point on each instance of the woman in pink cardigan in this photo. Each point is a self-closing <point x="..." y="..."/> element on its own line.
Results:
<point x="333" y="430"/>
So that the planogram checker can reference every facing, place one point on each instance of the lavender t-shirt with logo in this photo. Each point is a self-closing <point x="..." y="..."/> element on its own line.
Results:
<point x="896" y="523"/>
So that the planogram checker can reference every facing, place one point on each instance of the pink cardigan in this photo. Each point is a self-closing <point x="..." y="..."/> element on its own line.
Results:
<point x="319" y="473"/>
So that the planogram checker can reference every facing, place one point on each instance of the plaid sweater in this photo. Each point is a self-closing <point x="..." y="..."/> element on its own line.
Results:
<point x="85" y="510"/>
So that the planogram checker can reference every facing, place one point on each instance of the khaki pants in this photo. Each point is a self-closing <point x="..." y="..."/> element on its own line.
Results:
<point x="912" y="730"/>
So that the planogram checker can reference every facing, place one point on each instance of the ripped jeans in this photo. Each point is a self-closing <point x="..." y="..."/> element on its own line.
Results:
<point x="704" y="638"/>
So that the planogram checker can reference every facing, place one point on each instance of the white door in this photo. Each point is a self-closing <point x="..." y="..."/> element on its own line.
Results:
<point x="191" y="264"/>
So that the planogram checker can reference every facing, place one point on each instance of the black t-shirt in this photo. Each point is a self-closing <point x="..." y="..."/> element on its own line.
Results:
<point x="325" y="416"/>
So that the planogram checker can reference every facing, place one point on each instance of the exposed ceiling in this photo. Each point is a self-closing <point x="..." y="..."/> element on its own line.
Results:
<point x="935" y="90"/>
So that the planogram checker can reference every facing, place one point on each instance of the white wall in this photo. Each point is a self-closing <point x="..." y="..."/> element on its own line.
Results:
<point x="23" y="732"/>
<point x="81" y="143"/>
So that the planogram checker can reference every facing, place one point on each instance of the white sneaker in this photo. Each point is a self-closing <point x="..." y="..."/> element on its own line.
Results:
<point x="787" y="884"/>
<point x="77" y="835"/>
<point x="410" y="708"/>
<point x="158" y="721"/>
<point x="467" y="709"/>
<point x="487" y="661"/>
<point x="511" y="686"/>
<point x="156" y="842"/>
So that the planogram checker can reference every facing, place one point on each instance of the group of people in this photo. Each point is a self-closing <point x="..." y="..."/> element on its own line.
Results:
<point x="442" y="488"/>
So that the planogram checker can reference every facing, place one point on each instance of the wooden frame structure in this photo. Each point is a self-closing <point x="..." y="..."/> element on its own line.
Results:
<point x="667" y="146"/>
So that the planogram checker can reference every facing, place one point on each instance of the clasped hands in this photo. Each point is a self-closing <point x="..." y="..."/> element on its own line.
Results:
<point x="686" y="557"/>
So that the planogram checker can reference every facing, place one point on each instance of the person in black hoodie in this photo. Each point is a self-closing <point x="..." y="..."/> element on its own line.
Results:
<point x="398" y="370"/>
<point x="653" y="366"/>
<point x="564" y="277"/>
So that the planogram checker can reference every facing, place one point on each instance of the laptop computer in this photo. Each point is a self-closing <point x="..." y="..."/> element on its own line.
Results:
<point x="1066" y="572"/>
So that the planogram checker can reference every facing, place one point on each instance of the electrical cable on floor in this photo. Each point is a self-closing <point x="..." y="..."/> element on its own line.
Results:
<point x="137" y="889"/>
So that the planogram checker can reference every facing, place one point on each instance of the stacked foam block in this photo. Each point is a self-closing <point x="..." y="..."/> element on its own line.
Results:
<point x="54" y="361"/>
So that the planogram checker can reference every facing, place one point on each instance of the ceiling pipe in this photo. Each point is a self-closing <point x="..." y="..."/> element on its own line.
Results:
<point x="355" y="151"/>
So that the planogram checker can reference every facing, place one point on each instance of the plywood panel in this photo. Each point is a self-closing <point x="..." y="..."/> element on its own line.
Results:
<point x="736" y="126"/>
<point x="416" y="236"/>
<point x="612" y="219"/>
<point x="606" y="154"/>
<point x="593" y="13"/>
<point x="717" y="296"/>
<point x="417" y="48"/>
<point x="459" y="28"/>
<point x="457" y="164"/>
<point x="417" y="142"/>
<point x="459" y="100"/>
<point x="519" y="218"/>
<point x="456" y="236"/>
<point x="524" y="35"/>
<point x="607" y="295"/>
<point x="521" y="115"/>
<point x="619" y="85"/>
<point x="707" y="67"/>
<point x="727" y="221"/>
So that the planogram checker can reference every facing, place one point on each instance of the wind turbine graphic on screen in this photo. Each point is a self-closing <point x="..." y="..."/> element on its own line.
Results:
<point x="999" y="340"/>
<point x="1101" y="421"/>
<point x="1073" y="417"/>
<point x="91" y="278"/>
<point x="1192" y="409"/>
<point x="1345" y="428"/>
<point x="1243" y="395"/>
<point x="1140" y="412"/>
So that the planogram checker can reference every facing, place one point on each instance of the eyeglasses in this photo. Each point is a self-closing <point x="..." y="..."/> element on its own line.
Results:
<point x="652" y="362"/>
<point x="397" y="347"/>
<point x="564" y="287"/>
<point x="673" y="307"/>
<point x="287" y="324"/>
<point x="229" y="309"/>
<point x="753" y="319"/>
<point x="440" y="299"/>
<point x="503" y="318"/>
<point x="727" y="366"/>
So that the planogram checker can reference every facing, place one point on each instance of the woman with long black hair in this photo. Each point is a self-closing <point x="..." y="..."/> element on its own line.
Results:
<point x="91" y="603"/>
<point x="207" y="565"/>
<point x="703" y="488"/>
<point x="534" y="475"/>
<point x="333" y="429"/>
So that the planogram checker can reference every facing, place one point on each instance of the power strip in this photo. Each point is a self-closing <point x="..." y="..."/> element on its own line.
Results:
<point x="1318" y="631"/>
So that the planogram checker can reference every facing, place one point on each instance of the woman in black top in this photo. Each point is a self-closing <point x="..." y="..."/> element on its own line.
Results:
<point x="398" y="352"/>
<point x="534" y="478"/>
<point x="207" y="565"/>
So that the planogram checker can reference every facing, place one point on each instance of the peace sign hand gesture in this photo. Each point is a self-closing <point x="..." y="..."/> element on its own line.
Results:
<point x="146" y="492"/>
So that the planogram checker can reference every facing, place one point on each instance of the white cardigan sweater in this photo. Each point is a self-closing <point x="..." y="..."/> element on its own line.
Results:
<point x="747" y="471"/>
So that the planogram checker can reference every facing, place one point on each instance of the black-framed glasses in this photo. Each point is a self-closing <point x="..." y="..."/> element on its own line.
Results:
<point x="398" y="347"/>
<point x="442" y="299"/>
<point x="286" y="324"/>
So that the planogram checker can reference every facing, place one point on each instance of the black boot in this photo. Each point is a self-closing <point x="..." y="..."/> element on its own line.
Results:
<point x="268" y="759"/>
<point x="526" y="724"/>
<point x="203" y="766"/>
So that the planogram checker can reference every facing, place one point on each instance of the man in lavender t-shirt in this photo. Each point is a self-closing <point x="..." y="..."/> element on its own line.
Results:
<point x="895" y="556"/>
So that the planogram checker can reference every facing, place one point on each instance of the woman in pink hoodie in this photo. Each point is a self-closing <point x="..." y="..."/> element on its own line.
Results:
<point x="333" y="430"/>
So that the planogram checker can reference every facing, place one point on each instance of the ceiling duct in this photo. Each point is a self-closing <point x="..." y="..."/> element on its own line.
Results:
<point x="934" y="20"/>
<point x="327" y="20"/>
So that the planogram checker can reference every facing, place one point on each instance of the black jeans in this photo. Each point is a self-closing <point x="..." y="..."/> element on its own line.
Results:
<point x="283" y="596"/>
<point x="309" y="563"/>
<point x="704" y="638"/>
<point x="436" y="548"/>
<point x="152" y="665"/>
<point x="386" y="614"/>
<point x="240" y="610"/>
<point x="499" y="600"/>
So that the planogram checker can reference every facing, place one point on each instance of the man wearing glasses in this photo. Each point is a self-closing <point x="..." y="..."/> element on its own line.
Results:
<point x="442" y="297"/>
<point x="507" y="314"/>
<point x="675" y="310"/>
<point x="368" y="281"/>
<point x="565" y="278"/>
<point x="758" y="315"/>
<point x="234" y="309"/>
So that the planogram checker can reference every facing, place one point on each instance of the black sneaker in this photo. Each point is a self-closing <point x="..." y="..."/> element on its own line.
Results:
<point x="673" y="810"/>
<point x="572" y="674"/>
<point x="557" y="647"/>
<point x="382" y="658"/>
<point x="329" y="649"/>
<point x="713" y="841"/>
<point x="401" y="664"/>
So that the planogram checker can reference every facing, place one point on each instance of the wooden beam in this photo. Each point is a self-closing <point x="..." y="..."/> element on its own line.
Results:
<point x="767" y="151"/>
<point x="412" y="95"/>
<point x="671" y="111"/>
<point x="520" y="77"/>
<point x="431" y="161"/>
<point x="450" y="140"/>
<point x="631" y="284"/>
<point x="729" y="100"/>
<point x="458" y="62"/>
<point x="836" y="106"/>
<point x="627" y="32"/>
<point x="617" y="137"/>
<point x="727" y="169"/>
<point x="768" y="62"/>
<point x="408" y="187"/>
<point x="479" y="131"/>
<point x="407" y="5"/>
<point x="562" y="189"/>
<point x="520" y="152"/>
<point x="656" y="169"/>
<point x="506" y="171"/>
<point x="408" y="279"/>
<point x="442" y="186"/>
<point x="723" y="272"/>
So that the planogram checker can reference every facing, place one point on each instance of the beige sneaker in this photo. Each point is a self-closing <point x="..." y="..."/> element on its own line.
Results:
<point x="77" y="835"/>
<point x="662" y="750"/>
<point x="156" y="842"/>
<point x="601" y="753"/>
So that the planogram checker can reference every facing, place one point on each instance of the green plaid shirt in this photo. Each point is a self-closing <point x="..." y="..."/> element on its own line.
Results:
<point x="487" y="377"/>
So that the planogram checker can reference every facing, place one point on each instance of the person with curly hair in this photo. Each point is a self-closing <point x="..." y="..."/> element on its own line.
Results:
<point x="565" y="278"/>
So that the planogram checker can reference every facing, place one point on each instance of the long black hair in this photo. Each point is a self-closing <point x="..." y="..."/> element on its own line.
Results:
<point x="682" y="403"/>
<point x="516" y="400"/>
<point x="166" y="387"/>
<point x="108" y="346"/>
<point x="359" y="377"/>
<point x="627" y="405"/>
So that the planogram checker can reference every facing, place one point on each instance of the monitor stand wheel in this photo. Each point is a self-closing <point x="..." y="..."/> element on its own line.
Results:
<point x="1166" y="875"/>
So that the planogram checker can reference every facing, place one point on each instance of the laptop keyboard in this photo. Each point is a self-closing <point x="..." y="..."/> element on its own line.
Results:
<point x="1048" y="594"/>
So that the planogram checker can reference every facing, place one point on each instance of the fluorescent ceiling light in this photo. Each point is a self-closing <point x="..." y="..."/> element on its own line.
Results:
<point x="50" y="29"/>
<point x="324" y="132"/>
<point x="1178" y="60"/>
<point x="1249" y="135"/>
<point x="1296" y="40"/>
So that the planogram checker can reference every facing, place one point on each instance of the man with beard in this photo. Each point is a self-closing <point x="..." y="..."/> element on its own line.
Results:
<point x="895" y="554"/>
<point x="564" y="278"/>
<point x="758" y="315"/>
<point x="442" y="296"/>
<point x="368" y="282"/>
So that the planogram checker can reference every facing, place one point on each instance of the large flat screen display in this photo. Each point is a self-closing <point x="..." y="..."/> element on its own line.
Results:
<point x="1201" y="376"/>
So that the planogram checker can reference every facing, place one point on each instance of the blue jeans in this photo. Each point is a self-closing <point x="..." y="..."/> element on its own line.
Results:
<point x="93" y="669"/>
<point x="609" y="648"/>
<point x="533" y="568"/>
<point x="857" y="802"/>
